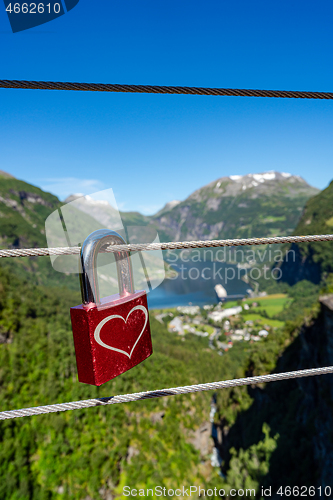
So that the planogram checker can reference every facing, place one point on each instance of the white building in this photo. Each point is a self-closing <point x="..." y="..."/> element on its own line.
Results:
<point x="236" y="338"/>
<point x="188" y="309"/>
<point x="239" y="331"/>
<point x="207" y="307"/>
<point x="176" y="325"/>
<point x="225" y="313"/>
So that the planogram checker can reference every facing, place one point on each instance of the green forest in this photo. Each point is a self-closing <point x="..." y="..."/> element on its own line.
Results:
<point x="267" y="436"/>
<point x="85" y="453"/>
<point x="75" y="454"/>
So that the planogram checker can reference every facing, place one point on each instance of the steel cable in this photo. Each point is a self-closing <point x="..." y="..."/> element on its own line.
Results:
<point x="158" y="89"/>
<point x="176" y="245"/>
<point x="173" y="391"/>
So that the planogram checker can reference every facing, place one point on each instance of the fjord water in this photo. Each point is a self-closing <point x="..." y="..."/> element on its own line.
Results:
<point x="195" y="283"/>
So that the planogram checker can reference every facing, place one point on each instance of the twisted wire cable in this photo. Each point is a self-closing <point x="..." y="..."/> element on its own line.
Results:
<point x="158" y="89"/>
<point x="173" y="391"/>
<point x="176" y="245"/>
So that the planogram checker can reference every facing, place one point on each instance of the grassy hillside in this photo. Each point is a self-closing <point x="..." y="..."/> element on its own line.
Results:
<point x="75" y="454"/>
<point x="93" y="453"/>
<point x="23" y="210"/>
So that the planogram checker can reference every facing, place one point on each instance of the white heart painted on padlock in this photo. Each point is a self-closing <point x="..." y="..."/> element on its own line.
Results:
<point x="109" y="318"/>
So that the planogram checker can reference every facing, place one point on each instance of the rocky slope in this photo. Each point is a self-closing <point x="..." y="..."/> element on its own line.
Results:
<point x="237" y="206"/>
<point x="312" y="259"/>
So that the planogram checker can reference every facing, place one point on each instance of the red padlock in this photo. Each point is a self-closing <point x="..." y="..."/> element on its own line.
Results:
<point x="111" y="335"/>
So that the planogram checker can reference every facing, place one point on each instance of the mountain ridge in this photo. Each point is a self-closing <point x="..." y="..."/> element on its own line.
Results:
<point x="235" y="206"/>
<point x="269" y="203"/>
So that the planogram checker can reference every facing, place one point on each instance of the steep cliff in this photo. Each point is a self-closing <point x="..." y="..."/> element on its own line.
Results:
<point x="312" y="259"/>
<point x="298" y="414"/>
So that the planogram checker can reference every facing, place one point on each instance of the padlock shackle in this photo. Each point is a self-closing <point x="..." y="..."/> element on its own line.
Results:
<point x="90" y="249"/>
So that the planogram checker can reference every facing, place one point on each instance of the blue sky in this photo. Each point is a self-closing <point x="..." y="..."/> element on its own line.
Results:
<point x="151" y="149"/>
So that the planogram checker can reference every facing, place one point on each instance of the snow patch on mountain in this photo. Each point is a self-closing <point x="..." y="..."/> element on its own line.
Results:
<point x="253" y="180"/>
<point x="267" y="176"/>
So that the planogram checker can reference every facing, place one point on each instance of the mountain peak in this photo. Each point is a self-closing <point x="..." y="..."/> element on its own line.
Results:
<point x="167" y="207"/>
<point x="6" y="175"/>
<point x="73" y="197"/>
<point x="239" y="206"/>
<point x="87" y="200"/>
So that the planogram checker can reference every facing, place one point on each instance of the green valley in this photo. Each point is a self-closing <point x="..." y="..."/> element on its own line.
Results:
<point x="243" y="437"/>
